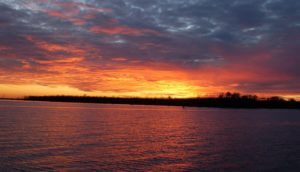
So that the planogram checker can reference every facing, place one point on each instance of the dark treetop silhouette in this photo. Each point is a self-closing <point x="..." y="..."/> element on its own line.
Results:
<point x="225" y="100"/>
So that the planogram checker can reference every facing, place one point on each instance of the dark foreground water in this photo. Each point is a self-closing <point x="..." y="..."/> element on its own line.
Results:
<point x="42" y="136"/>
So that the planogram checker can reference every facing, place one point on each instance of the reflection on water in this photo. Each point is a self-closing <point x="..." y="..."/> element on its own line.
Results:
<point x="67" y="136"/>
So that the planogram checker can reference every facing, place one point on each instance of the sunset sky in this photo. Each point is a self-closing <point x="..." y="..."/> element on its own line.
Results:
<point x="149" y="48"/>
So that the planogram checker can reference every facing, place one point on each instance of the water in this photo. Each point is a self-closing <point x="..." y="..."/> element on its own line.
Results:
<point x="44" y="136"/>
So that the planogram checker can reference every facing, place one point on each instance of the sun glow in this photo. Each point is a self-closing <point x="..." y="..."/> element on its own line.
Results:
<point x="160" y="89"/>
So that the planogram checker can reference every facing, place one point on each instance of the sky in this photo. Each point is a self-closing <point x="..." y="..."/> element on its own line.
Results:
<point x="149" y="48"/>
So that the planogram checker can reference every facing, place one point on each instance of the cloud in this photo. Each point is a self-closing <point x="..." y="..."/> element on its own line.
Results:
<point x="120" y="30"/>
<point x="216" y="44"/>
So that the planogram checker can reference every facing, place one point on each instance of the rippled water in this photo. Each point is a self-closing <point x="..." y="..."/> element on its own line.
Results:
<point x="44" y="136"/>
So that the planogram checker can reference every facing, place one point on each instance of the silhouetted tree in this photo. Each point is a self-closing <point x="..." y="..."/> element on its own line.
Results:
<point x="276" y="99"/>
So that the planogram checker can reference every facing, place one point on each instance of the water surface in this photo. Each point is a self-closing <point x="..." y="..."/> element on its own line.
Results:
<point x="47" y="136"/>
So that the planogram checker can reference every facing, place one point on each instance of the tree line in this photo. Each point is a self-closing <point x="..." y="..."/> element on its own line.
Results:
<point x="224" y="100"/>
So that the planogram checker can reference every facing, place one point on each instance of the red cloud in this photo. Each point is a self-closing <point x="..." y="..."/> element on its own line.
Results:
<point x="121" y="30"/>
<point x="119" y="59"/>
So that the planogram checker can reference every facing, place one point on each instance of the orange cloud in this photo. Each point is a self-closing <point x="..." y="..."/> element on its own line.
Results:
<point x="52" y="47"/>
<point x="66" y="60"/>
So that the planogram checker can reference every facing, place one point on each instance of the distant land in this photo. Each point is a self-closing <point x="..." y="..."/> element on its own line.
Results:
<point x="224" y="100"/>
